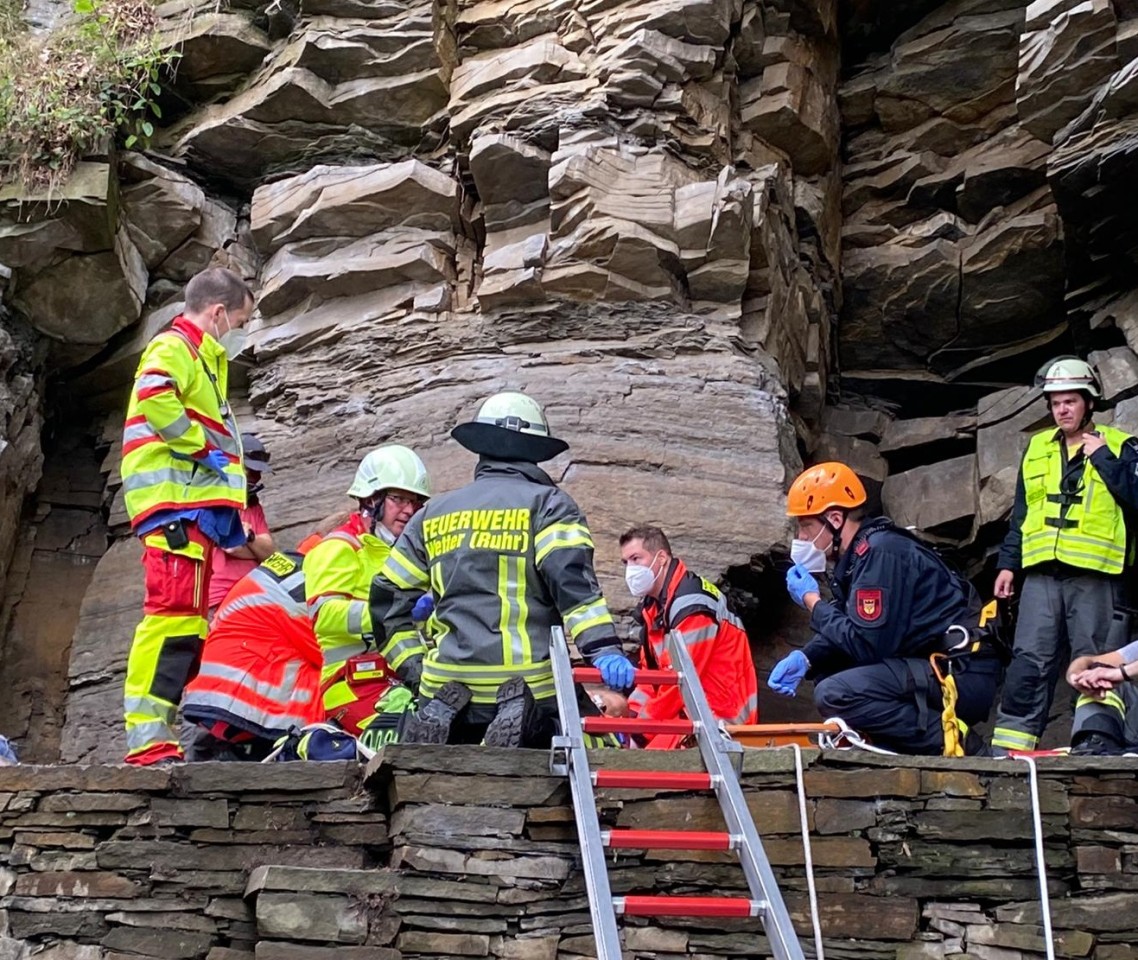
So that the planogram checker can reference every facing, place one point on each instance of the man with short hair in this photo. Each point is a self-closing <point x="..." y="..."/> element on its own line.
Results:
<point x="875" y="645"/>
<point x="673" y="599"/>
<point x="1070" y="534"/>
<point x="184" y="488"/>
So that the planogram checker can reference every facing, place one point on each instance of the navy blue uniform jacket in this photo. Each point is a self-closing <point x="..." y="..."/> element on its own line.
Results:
<point x="893" y="597"/>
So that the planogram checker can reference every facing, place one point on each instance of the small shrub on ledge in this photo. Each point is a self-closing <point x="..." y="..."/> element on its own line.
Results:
<point x="95" y="78"/>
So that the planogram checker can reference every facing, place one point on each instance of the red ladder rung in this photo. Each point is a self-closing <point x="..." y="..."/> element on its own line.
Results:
<point x="688" y="906"/>
<point x="650" y="677"/>
<point x="667" y="840"/>
<point x="651" y="780"/>
<point x="635" y="725"/>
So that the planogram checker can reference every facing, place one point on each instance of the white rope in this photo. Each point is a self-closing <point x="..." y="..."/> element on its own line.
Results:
<point x="848" y="738"/>
<point x="1041" y="863"/>
<point x="807" y="849"/>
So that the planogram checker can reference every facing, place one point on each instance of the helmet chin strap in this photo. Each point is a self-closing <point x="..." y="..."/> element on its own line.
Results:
<point x="835" y="536"/>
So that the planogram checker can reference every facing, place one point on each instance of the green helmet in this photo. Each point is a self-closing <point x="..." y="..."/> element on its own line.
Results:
<point x="1065" y="374"/>
<point x="390" y="467"/>
<point x="510" y="426"/>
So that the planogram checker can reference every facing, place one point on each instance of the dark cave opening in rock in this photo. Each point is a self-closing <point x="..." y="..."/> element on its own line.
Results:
<point x="61" y="536"/>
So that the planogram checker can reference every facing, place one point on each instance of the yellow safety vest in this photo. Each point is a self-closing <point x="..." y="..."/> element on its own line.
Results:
<point x="338" y="572"/>
<point x="177" y="411"/>
<point x="1090" y="533"/>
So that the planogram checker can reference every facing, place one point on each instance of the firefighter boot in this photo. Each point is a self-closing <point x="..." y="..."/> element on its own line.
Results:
<point x="431" y="723"/>
<point x="1096" y="744"/>
<point x="517" y="720"/>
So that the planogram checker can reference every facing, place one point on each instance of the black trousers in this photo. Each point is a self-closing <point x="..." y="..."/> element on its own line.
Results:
<point x="897" y="703"/>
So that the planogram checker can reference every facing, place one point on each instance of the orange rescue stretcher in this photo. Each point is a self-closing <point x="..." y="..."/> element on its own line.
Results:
<point x="761" y="735"/>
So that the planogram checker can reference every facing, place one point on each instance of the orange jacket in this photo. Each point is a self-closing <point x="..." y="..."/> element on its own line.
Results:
<point x="716" y="640"/>
<point x="260" y="668"/>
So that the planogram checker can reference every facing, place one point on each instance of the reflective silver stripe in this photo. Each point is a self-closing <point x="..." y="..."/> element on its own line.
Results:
<point x="456" y="671"/>
<point x="588" y="615"/>
<point x="692" y="603"/>
<point x="638" y="698"/>
<point x="177" y="427"/>
<point x="334" y="656"/>
<point x="356" y="611"/>
<point x="698" y="636"/>
<point x="138" y="431"/>
<point x="346" y="537"/>
<point x="155" y="381"/>
<point x="152" y="478"/>
<point x="315" y="605"/>
<point x="261" y="688"/>
<point x="141" y="735"/>
<point x="403" y="644"/>
<point x="749" y="707"/>
<point x="400" y="570"/>
<point x="282" y="720"/>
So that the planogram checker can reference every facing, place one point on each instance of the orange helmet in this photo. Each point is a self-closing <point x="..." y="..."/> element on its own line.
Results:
<point x="826" y="486"/>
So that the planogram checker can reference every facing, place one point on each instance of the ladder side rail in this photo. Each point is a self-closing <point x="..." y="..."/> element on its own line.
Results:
<point x="605" y="928"/>
<point x="714" y="747"/>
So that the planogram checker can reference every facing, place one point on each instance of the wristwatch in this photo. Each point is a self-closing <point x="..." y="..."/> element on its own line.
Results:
<point x="250" y="536"/>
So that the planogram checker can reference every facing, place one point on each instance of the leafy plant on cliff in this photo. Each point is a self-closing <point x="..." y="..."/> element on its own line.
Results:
<point x="93" y="79"/>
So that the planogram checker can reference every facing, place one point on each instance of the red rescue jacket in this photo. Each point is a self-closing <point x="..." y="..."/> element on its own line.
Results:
<point x="260" y="669"/>
<point x="697" y="610"/>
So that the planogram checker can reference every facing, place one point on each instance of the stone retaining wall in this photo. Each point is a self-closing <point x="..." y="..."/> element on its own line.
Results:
<point x="436" y="852"/>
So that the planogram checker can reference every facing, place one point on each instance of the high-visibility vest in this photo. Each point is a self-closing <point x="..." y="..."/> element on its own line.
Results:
<point x="716" y="641"/>
<point x="338" y="572"/>
<point x="260" y="666"/>
<point x="178" y="412"/>
<point x="1084" y="529"/>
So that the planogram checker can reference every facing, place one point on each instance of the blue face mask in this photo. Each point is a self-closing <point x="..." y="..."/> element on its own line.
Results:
<point x="807" y="554"/>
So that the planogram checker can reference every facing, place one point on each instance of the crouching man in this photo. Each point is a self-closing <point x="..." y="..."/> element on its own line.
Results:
<point x="882" y="647"/>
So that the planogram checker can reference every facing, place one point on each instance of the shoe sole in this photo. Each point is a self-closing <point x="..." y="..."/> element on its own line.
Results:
<point x="515" y="705"/>
<point x="431" y="724"/>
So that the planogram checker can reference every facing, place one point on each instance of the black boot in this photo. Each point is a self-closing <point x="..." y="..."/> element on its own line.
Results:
<point x="517" y="721"/>
<point x="1096" y="745"/>
<point x="431" y="723"/>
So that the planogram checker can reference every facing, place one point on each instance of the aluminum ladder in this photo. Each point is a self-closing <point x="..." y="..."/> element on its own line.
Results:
<point x="720" y="755"/>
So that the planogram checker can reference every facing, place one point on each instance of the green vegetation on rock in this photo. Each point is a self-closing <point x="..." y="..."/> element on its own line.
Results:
<point x="94" y="80"/>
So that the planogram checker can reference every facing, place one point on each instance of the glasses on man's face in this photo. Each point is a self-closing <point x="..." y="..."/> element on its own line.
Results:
<point x="401" y="501"/>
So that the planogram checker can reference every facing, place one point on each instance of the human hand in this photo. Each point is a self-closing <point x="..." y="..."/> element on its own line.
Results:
<point x="423" y="608"/>
<point x="799" y="582"/>
<point x="788" y="673"/>
<point x="215" y="460"/>
<point x="1092" y="442"/>
<point x="1096" y="680"/>
<point x="1005" y="584"/>
<point x="617" y="671"/>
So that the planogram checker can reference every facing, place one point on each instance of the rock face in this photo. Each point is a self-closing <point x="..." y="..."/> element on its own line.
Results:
<point x="712" y="236"/>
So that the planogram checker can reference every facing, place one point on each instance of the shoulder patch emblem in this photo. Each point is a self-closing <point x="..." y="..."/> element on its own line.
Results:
<point x="862" y="548"/>
<point x="870" y="604"/>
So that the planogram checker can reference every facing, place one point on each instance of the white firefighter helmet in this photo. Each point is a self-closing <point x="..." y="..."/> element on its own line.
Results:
<point x="510" y="426"/>
<point x="1065" y="374"/>
<point x="390" y="467"/>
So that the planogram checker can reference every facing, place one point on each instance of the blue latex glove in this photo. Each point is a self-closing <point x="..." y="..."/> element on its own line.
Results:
<point x="799" y="582"/>
<point x="215" y="460"/>
<point x="617" y="671"/>
<point x="788" y="673"/>
<point x="423" y="608"/>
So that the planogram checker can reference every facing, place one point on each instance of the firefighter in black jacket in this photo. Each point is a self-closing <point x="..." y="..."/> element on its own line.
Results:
<point x="877" y="647"/>
<point x="507" y="558"/>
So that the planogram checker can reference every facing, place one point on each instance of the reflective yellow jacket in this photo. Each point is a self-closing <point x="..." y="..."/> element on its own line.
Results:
<point x="177" y="414"/>
<point x="337" y="574"/>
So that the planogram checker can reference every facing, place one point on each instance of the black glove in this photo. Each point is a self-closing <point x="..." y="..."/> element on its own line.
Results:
<point x="410" y="671"/>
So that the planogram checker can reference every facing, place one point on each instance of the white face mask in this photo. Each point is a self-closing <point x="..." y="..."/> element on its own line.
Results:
<point x="807" y="554"/>
<point x="639" y="578"/>
<point x="233" y="340"/>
